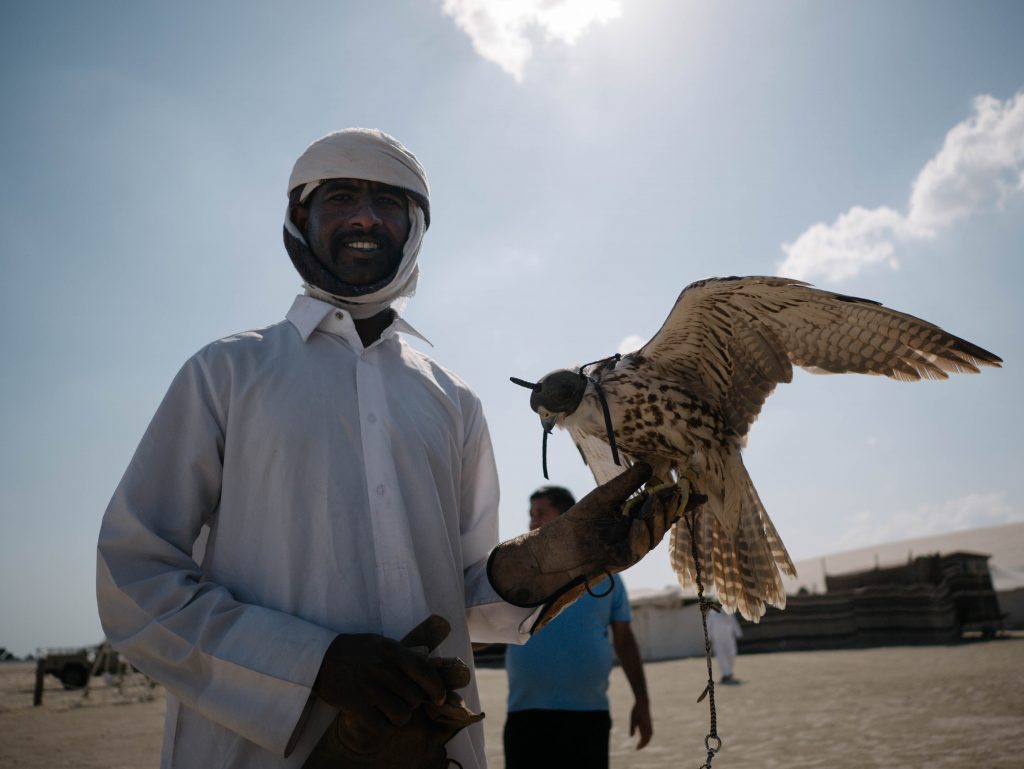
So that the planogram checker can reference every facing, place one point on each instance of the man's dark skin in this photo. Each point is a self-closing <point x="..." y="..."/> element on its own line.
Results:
<point x="340" y="219"/>
<point x="357" y="228"/>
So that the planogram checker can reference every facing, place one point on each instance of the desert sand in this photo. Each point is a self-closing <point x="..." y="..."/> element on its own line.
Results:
<point x="938" y="706"/>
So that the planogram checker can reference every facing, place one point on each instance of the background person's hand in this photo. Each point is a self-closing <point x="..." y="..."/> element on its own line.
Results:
<point x="640" y="722"/>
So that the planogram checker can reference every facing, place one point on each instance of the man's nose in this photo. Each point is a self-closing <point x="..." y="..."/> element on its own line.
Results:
<point x="365" y="214"/>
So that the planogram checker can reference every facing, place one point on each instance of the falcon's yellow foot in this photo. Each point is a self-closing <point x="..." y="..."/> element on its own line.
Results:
<point x="652" y="488"/>
<point x="688" y="491"/>
<point x="689" y="476"/>
<point x="686" y="484"/>
<point x="655" y="485"/>
<point x="689" y="497"/>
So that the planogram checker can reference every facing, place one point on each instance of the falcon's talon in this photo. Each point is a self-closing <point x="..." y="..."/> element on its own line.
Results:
<point x="690" y="476"/>
<point x="652" y="490"/>
<point x="635" y="501"/>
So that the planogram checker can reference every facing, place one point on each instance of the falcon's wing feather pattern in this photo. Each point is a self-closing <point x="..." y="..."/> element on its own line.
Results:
<point x="597" y="455"/>
<point x="733" y="339"/>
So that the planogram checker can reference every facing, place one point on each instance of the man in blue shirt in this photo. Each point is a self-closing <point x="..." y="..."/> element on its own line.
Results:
<point x="558" y="681"/>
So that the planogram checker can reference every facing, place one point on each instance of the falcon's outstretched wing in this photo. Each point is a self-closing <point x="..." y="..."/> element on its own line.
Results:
<point x="731" y="340"/>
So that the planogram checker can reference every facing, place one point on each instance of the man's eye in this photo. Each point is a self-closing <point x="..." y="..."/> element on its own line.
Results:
<point x="389" y="200"/>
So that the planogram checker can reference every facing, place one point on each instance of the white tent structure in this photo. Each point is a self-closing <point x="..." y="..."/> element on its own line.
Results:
<point x="666" y="625"/>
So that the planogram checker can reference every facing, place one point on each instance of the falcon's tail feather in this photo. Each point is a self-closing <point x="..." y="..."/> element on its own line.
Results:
<point x="744" y="567"/>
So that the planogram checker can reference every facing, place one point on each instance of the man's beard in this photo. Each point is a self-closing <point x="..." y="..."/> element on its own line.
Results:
<point x="319" y="273"/>
<point x="339" y="257"/>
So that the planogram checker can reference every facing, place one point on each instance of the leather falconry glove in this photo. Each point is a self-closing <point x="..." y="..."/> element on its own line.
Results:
<point x="419" y="744"/>
<point x="600" y="535"/>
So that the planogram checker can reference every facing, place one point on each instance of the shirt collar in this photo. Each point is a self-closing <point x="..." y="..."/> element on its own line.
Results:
<point x="308" y="314"/>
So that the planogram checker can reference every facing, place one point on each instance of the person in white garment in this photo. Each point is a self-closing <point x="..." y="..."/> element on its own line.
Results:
<point x="307" y="493"/>
<point x="724" y="630"/>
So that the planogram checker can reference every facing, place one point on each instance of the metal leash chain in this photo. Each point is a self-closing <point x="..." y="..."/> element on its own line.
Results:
<point x="712" y="742"/>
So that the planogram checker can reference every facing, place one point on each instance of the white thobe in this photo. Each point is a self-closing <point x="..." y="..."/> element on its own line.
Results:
<point x="292" y="486"/>
<point x="724" y="630"/>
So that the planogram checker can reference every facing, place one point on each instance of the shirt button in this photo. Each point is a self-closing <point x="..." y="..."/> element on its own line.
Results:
<point x="372" y="418"/>
<point x="380" y="490"/>
<point x="339" y="315"/>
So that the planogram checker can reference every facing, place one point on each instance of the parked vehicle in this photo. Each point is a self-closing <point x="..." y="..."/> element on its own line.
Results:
<point x="73" y="665"/>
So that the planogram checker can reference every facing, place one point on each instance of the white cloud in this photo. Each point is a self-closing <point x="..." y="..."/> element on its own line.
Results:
<point x="967" y="512"/>
<point x="630" y="344"/>
<point x="498" y="28"/>
<point x="858" y="238"/>
<point x="980" y="165"/>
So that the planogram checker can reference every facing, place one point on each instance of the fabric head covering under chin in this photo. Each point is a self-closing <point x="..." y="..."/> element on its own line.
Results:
<point x="359" y="153"/>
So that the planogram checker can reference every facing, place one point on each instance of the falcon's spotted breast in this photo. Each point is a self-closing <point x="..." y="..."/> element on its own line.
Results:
<point x="685" y="401"/>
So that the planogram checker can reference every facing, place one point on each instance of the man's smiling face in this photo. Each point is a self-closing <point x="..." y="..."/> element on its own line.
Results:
<point x="356" y="228"/>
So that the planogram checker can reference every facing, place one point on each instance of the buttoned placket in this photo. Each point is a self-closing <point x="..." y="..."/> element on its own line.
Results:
<point x="399" y="584"/>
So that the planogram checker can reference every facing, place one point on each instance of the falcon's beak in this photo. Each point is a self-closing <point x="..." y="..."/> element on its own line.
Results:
<point x="547" y="418"/>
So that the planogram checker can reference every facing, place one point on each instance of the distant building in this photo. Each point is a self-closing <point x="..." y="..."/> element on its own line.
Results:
<point x="930" y="599"/>
<point x="906" y="604"/>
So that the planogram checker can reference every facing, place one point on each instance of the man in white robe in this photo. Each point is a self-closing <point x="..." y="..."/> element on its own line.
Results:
<point x="723" y="630"/>
<point x="308" y="492"/>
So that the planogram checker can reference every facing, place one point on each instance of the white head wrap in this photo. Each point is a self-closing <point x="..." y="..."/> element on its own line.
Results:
<point x="366" y="153"/>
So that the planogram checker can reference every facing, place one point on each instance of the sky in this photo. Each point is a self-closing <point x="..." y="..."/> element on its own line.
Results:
<point x="587" y="161"/>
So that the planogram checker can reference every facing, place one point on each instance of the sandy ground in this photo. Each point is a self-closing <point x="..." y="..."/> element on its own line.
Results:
<point x="945" y="706"/>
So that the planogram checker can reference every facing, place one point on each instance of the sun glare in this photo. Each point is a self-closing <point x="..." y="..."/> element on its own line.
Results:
<point x="500" y="29"/>
<point x="566" y="20"/>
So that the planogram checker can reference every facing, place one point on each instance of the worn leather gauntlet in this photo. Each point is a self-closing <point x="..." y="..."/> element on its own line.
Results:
<point x="603" y="533"/>
<point x="418" y="744"/>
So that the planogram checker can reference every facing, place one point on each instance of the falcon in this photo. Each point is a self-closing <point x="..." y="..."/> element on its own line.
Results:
<point x="685" y="402"/>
